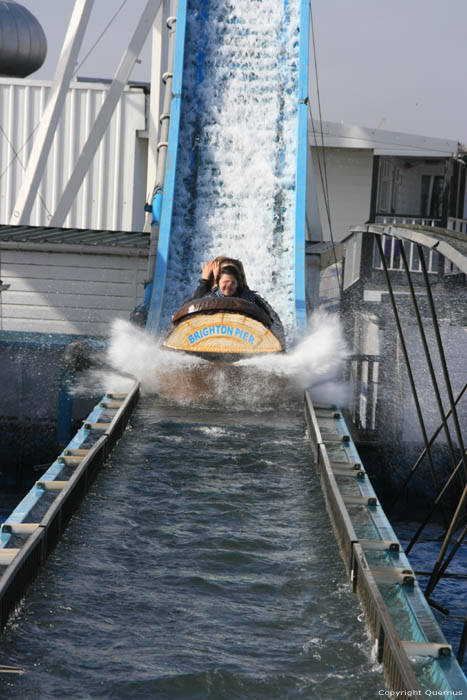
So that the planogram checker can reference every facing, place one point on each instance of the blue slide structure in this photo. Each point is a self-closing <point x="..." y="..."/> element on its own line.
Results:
<point x="235" y="179"/>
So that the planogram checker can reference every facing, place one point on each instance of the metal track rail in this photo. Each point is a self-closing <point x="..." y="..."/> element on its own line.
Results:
<point x="36" y="524"/>
<point x="398" y="616"/>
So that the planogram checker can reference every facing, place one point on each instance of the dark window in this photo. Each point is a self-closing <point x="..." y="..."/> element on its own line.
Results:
<point x="432" y="196"/>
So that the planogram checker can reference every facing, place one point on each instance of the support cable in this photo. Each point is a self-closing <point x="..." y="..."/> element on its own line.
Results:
<point x="433" y="508"/>
<point x="408" y="366"/>
<point x="442" y="356"/>
<point x="325" y="182"/>
<point x="434" y="578"/>
<point x="462" y="644"/>
<point x="323" y="168"/>
<point x="449" y="558"/>
<point x="423" y="452"/>
<point x="427" y="355"/>
<point x="114" y="16"/>
<point x="16" y="157"/>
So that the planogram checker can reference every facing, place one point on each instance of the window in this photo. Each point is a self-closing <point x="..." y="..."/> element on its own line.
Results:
<point x="432" y="196"/>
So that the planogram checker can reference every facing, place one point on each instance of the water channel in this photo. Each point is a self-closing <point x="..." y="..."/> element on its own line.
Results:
<point x="201" y="565"/>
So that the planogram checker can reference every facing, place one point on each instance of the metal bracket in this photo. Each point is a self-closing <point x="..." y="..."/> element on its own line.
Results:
<point x="70" y="460"/>
<point x="380" y="545"/>
<point x="346" y="465"/>
<point x="427" y="649"/>
<point x="97" y="426"/>
<point x="359" y="474"/>
<point x="7" y="556"/>
<point x="19" y="528"/>
<point x="360" y="500"/>
<point x="326" y="414"/>
<point x="335" y="437"/>
<point x="393" y="574"/>
<point x="51" y="485"/>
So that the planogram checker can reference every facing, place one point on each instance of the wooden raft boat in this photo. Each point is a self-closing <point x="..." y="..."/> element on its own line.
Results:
<point x="222" y="329"/>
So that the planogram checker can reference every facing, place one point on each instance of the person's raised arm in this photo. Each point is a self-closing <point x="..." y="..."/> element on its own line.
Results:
<point x="210" y="271"/>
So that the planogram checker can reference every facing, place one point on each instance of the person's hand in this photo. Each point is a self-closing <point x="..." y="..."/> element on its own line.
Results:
<point x="216" y="266"/>
<point x="208" y="271"/>
<point x="211" y="270"/>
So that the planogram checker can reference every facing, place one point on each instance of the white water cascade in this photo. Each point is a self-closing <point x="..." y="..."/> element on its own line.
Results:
<point x="236" y="166"/>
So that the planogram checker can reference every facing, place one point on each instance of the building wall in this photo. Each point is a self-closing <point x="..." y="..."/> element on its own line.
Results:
<point x="65" y="292"/>
<point x="349" y="176"/>
<point x="112" y="194"/>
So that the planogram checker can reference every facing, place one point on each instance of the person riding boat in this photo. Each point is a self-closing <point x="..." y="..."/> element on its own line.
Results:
<point x="225" y="277"/>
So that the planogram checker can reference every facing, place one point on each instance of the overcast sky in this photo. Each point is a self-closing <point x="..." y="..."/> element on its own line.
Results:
<point x="394" y="64"/>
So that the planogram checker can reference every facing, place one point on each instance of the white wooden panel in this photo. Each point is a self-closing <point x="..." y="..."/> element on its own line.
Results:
<point x="72" y="287"/>
<point x="68" y="301"/>
<point x="66" y="327"/>
<point x="68" y="298"/>
<point x="51" y="272"/>
<point x="110" y="262"/>
<point x="93" y="315"/>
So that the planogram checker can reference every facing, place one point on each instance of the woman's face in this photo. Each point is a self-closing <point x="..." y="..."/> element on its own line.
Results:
<point x="227" y="284"/>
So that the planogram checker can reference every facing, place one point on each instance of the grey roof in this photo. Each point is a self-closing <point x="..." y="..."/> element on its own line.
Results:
<point x="381" y="142"/>
<point x="130" y="240"/>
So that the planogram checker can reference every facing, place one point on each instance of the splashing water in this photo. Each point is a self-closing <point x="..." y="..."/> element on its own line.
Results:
<point x="256" y="383"/>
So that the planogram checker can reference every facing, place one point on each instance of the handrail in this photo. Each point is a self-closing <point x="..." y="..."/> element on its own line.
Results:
<point x="42" y="536"/>
<point x="354" y="512"/>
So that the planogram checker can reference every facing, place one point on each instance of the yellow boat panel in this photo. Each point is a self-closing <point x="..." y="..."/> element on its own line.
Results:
<point x="222" y="333"/>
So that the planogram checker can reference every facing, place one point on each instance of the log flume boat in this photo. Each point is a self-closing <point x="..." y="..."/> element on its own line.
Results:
<point x="224" y="329"/>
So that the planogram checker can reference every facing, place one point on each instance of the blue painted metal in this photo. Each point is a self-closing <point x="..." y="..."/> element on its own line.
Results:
<point x="300" y="179"/>
<point x="157" y="208"/>
<point x="160" y="275"/>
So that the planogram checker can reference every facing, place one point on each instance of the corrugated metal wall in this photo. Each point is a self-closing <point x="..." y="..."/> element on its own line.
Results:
<point x="112" y="195"/>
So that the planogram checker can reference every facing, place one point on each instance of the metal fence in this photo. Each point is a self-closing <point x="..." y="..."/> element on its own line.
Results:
<point x="392" y="253"/>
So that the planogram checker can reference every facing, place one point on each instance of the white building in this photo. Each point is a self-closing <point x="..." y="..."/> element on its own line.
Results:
<point x="79" y="280"/>
<point x="381" y="175"/>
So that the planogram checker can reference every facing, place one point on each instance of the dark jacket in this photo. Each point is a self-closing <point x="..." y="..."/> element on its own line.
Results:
<point x="205" y="289"/>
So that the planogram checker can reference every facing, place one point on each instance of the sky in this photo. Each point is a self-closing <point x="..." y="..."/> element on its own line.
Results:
<point x="398" y="65"/>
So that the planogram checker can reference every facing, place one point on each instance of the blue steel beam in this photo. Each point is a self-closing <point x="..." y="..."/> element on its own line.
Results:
<point x="160" y="275"/>
<point x="301" y="165"/>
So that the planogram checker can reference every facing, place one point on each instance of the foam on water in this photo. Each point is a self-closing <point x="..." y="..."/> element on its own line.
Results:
<point x="315" y="362"/>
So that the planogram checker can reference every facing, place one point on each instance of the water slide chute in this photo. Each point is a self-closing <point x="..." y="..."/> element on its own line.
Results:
<point x="235" y="178"/>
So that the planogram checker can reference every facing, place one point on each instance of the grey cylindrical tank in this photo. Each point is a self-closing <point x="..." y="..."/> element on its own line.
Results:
<point x="23" y="45"/>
